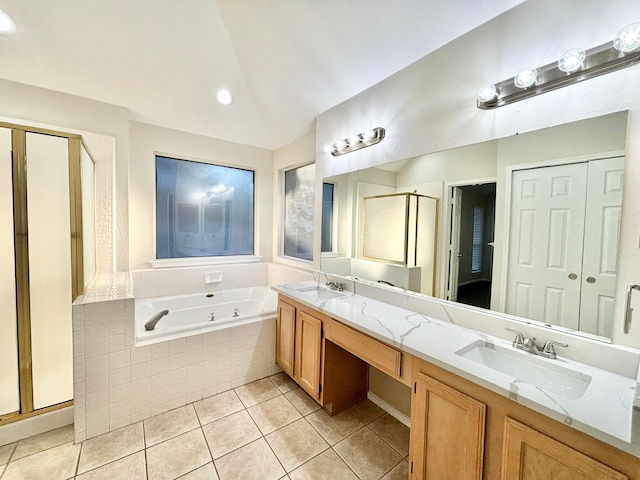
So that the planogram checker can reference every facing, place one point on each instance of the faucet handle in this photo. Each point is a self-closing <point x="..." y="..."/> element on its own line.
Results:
<point x="518" y="342"/>
<point x="549" y="347"/>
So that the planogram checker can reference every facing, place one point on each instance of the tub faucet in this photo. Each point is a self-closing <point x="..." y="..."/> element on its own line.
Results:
<point x="151" y="324"/>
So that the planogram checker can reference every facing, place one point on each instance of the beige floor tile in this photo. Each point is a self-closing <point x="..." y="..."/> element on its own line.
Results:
<point x="393" y="432"/>
<point x="218" y="406"/>
<point x="257" y="392"/>
<point x="400" y="472"/>
<point x="44" y="441"/>
<point x="326" y="466"/>
<point x="367" y="454"/>
<point x="303" y="402"/>
<point x="6" y="451"/>
<point x="207" y="472"/>
<point x="273" y="414"/>
<point x="366" y="411"/>
<point x="230" y="433"/>
<point x="111" y="446"/>
<point x="132" y="467"/>
<point x="296" y="443"/>
<point x="57" y="463"/>
<point x="335" y="428"/>
<point x="170" y="424"/>
<point x="283" y="382"/>
<point x="255" y="461"/>
<point x="177" y="456"/>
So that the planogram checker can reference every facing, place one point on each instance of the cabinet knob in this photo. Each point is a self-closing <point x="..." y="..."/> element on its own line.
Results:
<point x="572" y="276"/>
<point x="591" y="280"/>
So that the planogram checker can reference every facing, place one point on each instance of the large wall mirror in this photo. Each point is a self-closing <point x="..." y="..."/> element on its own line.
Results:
<point x="528" y="225"/>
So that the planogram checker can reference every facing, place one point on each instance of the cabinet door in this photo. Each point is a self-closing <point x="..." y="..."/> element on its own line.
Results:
<point x="308" y="353"/>
<point x="530" y="455"/>
<point x="447" y="432"/>
<point x="285" y="336"/>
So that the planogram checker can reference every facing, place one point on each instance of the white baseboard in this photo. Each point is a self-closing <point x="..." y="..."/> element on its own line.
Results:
<point x="12" y="432"/>
<point x="394" y="412"/>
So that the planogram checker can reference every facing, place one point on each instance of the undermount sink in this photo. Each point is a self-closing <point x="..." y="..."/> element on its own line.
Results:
<point x="322" y="293"/>
<point x="525" y="367"/>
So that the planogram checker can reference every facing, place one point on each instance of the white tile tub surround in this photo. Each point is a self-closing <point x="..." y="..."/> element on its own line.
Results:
<point x="157" y="282"/>
<point x="117" y="384"/>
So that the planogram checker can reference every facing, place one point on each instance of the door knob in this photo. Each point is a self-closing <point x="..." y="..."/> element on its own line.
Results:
<point x="572" y="276"/>
<point x="591" y="280"/>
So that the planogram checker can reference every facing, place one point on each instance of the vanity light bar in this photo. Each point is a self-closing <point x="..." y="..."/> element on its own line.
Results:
<point x="358" y="141"/>
<point x="574" y="66"/>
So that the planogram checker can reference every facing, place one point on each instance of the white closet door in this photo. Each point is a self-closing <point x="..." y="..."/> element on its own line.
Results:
<point x="9" y="387"/>
<point x="602" y="227"/>
<point x="49" y="268"/>
<point x="545" y="244"/>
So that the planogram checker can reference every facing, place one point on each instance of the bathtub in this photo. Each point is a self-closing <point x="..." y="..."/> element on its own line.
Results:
<point x="202" y="312"/>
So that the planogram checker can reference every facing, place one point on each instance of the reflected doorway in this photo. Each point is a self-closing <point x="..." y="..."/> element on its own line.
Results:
<point x="471" y="235"/>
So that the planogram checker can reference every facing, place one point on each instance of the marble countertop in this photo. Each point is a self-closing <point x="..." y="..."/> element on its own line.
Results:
<point x="604" y="411"/>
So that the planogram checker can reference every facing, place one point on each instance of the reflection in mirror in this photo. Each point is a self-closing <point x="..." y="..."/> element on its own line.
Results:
<point x="529" y="227"/>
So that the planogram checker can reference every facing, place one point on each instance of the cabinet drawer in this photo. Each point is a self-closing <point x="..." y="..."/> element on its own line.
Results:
<point x="372" y="351"/>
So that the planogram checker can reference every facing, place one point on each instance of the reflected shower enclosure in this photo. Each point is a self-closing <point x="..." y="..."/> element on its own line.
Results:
<point x="402" y="228"/>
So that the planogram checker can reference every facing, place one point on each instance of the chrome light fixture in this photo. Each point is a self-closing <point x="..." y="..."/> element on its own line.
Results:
<point x="575" y="65"/>
<point x="356" y="142"/>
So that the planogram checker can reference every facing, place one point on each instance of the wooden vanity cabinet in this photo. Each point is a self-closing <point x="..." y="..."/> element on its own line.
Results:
<point x="447" y="436"/>
<point x="331" y="375"/>
<point x="299" y="345"/>
<point x="285" y="336"/>
<point x="460" y="430"/>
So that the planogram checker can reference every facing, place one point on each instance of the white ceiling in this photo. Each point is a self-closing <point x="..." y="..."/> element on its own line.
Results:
<point x="285" y="60"/>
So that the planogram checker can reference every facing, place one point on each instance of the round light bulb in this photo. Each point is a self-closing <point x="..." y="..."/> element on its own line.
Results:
<point x="628" y="39"/>
<point x="571" y="60"/>
<point x="368" y="134"/>
<point x="7" y="25"/>
<point x="224" y="97"/>
<point x="341" y="145"/>
<point x="525" y="78"/>
<point x="354" y="140"/>
<point x="487" y="93"/>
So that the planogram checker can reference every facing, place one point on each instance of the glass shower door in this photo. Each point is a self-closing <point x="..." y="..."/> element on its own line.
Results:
<point x="9" y="379"/>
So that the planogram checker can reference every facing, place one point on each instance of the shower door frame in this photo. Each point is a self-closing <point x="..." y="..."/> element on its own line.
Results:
<point x="21" y="248"/>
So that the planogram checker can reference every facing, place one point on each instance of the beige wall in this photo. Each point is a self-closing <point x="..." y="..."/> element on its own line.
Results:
<point x="147" y="140"/>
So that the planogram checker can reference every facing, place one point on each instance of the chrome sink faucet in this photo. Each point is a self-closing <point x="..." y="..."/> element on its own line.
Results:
<point x="335" y="285"/>
<point x="528" y="344"/>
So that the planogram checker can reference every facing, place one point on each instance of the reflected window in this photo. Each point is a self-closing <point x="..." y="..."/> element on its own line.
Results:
<point x="327" y="217"/>
<point x="299" y="197"/>
<point x="478" y="233"/>
<point x="203" y="210"/>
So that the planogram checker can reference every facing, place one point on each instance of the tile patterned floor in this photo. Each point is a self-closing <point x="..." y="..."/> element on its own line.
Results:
<point x="267" y="430"/>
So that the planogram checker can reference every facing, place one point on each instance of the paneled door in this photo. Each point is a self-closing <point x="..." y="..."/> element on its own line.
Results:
<point x="545" y="259"/>
<point x="563" y="243"/>
<point x="602" y="227"/>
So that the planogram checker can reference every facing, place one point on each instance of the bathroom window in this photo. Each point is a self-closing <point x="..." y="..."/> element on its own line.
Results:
<point x="203" y="210"/>
<point x="299" y="197"/>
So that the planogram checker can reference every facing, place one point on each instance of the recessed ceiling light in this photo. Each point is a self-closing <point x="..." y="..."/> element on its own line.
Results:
<point x="7" y="25"/>
<point x="224" y="96"/>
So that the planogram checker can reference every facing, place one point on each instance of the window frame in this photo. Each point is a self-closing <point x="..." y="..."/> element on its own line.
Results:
<point x="288" y="259"/>
<point x="212" y="259"/>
